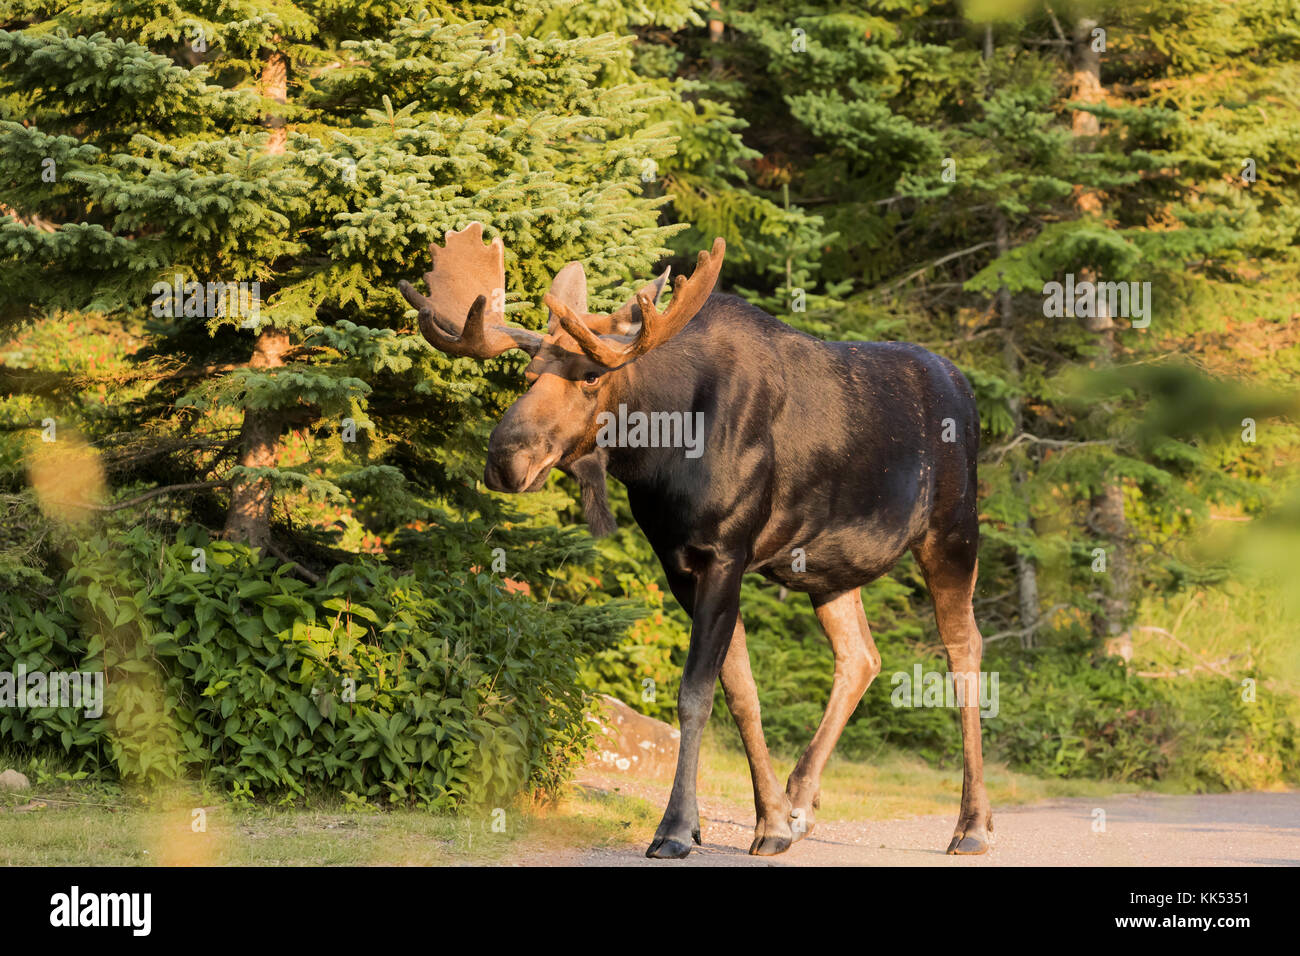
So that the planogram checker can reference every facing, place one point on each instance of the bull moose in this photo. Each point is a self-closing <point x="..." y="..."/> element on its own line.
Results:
<point x="847" y="454"/>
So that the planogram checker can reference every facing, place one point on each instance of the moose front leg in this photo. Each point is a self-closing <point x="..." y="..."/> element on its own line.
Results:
<point x="717" y="604"/>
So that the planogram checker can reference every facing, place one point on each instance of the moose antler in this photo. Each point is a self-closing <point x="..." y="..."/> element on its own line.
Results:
<point x="454" y="316"/>
<point x="656" y="328"/>
<point x="570" y="287"/>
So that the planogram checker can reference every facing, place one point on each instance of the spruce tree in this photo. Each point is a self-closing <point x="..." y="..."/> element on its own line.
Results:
<point x="315" y="152"/>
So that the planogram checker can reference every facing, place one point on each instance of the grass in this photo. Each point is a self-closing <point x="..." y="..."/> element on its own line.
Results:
<point x="46" y="831"/>
<point x="61" y="822"/>
<point x="90" y="822"/>
<point x="1231" y="628"/>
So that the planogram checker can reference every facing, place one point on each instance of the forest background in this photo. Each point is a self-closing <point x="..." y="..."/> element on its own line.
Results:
<point x="270" y="530"/>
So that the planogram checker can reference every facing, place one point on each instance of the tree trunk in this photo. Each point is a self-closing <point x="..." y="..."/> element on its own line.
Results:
<point x="249" y="516"/>
<point x="1106" y="517"/>
<point x="716" y="26"/>
<point x="1026" y="568"/>
<point x="275" y="86"/>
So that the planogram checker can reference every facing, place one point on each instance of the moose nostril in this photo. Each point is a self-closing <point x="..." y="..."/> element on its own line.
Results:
<point x="493" y="477"/>
<point x="507" y="471"/>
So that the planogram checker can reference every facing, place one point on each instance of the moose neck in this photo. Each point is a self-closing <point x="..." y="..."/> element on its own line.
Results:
<point x="653" y="423"/>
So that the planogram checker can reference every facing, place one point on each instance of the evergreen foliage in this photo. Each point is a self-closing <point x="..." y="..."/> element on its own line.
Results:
<point x="919" y="171"/>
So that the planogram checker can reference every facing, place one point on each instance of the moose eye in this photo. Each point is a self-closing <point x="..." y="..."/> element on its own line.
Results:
<point x="591" y="378"/>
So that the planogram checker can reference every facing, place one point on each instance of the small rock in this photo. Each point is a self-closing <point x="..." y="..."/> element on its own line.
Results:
<point x="13" y="780"/>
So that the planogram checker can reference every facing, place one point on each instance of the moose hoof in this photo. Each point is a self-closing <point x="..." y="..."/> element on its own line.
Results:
<point x="969" y="844"/>
<point x="668" y="848"/>
<point x="771" y="838"/>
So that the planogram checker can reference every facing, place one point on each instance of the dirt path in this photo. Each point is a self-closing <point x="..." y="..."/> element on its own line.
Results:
<point x="1239" y="829"/>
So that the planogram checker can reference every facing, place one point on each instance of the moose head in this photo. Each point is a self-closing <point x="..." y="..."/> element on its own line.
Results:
<point x="578" y="369"/>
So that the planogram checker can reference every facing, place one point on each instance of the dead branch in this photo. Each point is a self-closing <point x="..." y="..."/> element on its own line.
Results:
<point x="1049" y="442"/>
<point x="311" y="576"/>
<point x="168" y="489"/>
<point x="1024" y="631"/>
<point x="937" y="262"/>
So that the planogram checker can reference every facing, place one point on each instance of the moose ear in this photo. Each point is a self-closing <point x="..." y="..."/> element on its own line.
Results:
<point x="570" y="287"/>
<point x="622" y="337"/>
<point x="628" y="318"/>
<point x="589" y="470"/>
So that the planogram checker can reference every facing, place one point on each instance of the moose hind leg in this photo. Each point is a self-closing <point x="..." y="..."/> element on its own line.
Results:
<point x="950" y="575"/>
<point x="771" y="805"/>
<point x="857" y="662"/>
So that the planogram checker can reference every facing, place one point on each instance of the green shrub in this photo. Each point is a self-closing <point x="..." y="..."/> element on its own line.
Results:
<point x="1065" y="714"/>
<point x="1070" y="713"/>
<point x="424" y="689"/>
<point x="644" y="669"/>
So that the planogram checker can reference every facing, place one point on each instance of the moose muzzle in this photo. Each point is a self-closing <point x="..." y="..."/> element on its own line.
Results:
<point x="515" y="467"/>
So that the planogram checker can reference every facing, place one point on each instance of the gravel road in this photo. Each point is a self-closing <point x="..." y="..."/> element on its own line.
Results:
<point x="1238" y="829"/>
